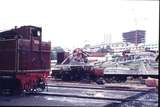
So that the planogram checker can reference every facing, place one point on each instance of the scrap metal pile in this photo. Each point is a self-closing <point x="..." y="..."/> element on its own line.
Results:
<point x="75" y="67"/>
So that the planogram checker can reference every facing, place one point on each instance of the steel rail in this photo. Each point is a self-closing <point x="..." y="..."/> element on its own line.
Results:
<point x="102" y="88"/>
<point x="131" y="98"/>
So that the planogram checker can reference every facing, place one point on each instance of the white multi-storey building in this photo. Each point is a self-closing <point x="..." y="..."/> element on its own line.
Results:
<point x="119" y="47"/>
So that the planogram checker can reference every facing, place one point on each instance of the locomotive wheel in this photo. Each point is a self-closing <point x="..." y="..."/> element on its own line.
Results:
<point x="74" y="76"/>
<point x="100" y="80"/>
<point x="86" y="78"/>
<point x="108" y="79"/>
<point x="56" y="74"/>
<point x="66" y="76"/>
<point x="41" y="84"/>
<point x="18" y="87"/>
<point x="13" y="89"/>
<point x="0" y="88"/>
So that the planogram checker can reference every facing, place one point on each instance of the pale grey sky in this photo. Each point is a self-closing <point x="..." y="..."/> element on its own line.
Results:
<point x="70" y="23"/>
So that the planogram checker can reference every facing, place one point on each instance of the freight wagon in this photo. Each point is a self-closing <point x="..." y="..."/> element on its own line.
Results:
<point x="75" y="67"/>
<point x="24" y="59"/>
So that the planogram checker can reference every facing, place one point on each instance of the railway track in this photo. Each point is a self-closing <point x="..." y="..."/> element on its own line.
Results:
<point x="121" y="100"/>
<point x="118" y="88"/>
<point x="110" y="97"/>
<point x="132" y="97"/>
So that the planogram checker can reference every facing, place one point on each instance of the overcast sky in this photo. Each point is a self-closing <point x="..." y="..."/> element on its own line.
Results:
<point x="71" y="23"/>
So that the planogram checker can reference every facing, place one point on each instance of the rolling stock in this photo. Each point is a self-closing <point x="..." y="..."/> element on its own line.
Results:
<point x="75" y="67"/>
<point x="24" y="59"/>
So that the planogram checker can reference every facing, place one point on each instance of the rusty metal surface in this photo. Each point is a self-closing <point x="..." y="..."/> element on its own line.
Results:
<point x="21" y="49"/>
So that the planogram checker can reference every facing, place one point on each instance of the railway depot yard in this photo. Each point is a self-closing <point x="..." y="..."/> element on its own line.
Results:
<point x="60" y="93"/>
<point x="30" y="77"/>
<point x="79" y="53"/>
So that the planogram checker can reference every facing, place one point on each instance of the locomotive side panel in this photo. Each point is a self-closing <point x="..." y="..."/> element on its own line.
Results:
<point x="24" y="59"/>
<point x="7" y="55"/>
<point x="34" y="56"/>
<point x="24" y="54"/>
<point x="45" y="57"/>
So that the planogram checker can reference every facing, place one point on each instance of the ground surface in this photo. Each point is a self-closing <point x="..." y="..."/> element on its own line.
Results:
<point x="86" y="96"/>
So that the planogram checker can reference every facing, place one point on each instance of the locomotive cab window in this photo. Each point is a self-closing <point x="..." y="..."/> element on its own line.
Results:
<point x="36" y="33"/>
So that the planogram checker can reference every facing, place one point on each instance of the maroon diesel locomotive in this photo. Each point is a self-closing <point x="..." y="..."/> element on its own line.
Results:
<point x="24" y="59"/>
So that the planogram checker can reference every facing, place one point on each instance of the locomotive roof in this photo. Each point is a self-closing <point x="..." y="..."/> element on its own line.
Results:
<point x="30" y="26"/>
<point x="13" y="32"/>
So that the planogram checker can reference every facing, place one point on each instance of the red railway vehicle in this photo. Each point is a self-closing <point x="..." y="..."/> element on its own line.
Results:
<point x="24" y="59"/>
<point x="75" y="67"/>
